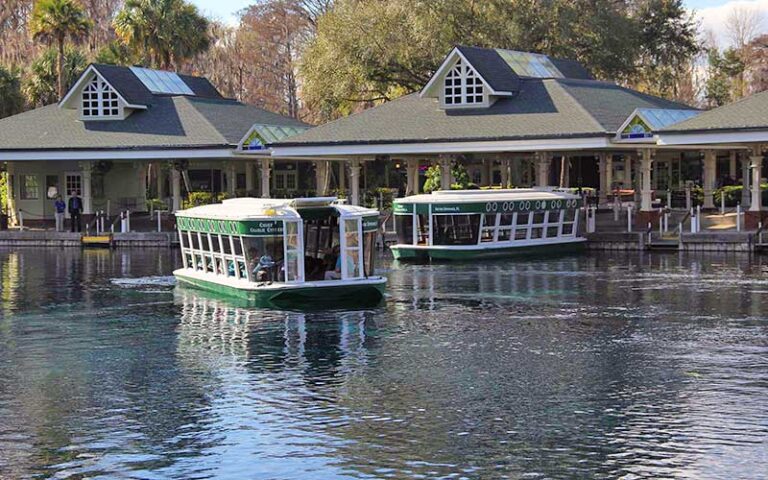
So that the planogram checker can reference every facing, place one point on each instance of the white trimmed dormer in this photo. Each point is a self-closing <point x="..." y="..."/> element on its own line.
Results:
<point x="96" y="99"/>
<point x="99" y="101"/>
<point x="463" y="87"/>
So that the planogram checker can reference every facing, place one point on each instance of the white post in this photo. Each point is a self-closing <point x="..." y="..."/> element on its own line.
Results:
<point x="176" y="189"/>
<point x="698" y="218"/>
<point x="86" y="193"/>
<point x="122" y="222"/>
<point x="646" y="163"/>
<point x="412" y="176"/>
<point x="445" y="172"/>
<point x="629" y="218"/>
<point x="688" y="203"/>
<point x="21" y="220"/>
<point x="738" y="217"/>
<point x="722" y="202"/>
<point x="542" y="169"/>
<point x="265" y="172"/>
<point x="354" y="181"/>
<point x="231" y="178"/>
<point x="732" y="165"/>
<point x="159" y="225"/>
<point x="693" y="221"/>
<point x="669" y="198"/>
<point x="661" y="222"/>
<point x="602" y="163"/>
<point x="128" y="220"/>
<point x="710" y="172"/>
<point x="757" y="168"/>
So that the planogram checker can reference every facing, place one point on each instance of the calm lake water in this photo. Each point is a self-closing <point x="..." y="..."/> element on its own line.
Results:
<point x="594" y="366"/>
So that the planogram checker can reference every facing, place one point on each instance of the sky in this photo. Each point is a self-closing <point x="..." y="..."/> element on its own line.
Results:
<point x="711" y="12"/>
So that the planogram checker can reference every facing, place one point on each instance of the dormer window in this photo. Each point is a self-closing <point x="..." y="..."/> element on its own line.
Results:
<point x="99" y="100"/>
<point x="462" y="86"/>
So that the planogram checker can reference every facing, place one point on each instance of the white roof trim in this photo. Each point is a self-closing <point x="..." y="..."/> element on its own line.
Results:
<point x="61" y="155"/>
<point x="448" y="63"/>
<point x="77" y="87"/>
<point x="544" y="144"/>
<point x="706" y="138"/>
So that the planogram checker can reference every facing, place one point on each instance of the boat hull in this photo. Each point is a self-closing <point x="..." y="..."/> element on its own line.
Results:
<point x="364" y="292"/>
<point x="411" y="253"/>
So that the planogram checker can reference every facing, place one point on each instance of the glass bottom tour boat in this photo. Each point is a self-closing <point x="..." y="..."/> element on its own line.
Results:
<point x="272" y="251"/>
<point x="470" y="224"/>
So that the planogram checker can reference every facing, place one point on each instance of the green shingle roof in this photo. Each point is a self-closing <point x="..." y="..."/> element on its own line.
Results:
<point x="543" y="108"/>
<point x="749" y="113"/>
<point x="169" y="122"/>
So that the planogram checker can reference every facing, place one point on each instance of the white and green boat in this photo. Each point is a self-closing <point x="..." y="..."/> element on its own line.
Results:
<point x="281" y="252"/>
<point x="470" y="224"/>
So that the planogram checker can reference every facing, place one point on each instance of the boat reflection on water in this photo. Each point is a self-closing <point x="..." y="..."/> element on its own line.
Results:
<point x="363" y="302"/>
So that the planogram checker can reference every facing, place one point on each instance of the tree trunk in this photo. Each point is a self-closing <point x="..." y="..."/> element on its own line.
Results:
<point x="60" y="68"/>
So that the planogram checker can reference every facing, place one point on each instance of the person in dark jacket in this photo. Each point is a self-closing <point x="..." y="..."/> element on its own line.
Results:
<point x="75" y="207"/>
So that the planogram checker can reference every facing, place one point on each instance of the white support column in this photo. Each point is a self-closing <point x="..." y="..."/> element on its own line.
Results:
<point x="602" y="194"/>
<point x="354" y="181"/>
<point x="342" y="176"/>
<point x="542" y="169"/>
<point x="322" y="177"/>
<point x="231" y="178"/>
<point x="565" y="171"/>
<point x="12" y="212"/>
<point x="86" y="193"/>
<point x="412" y="181"/>
<point x="141" y="193"/>
<point x="264" y="170"/>
<point x="505" y="177"/>
<point x="609" y="173"/>
<point x="485" y="173"/>
<point x="732" y="165"/>
<point x="249" y="183"/>
<point x="745" y="181"/>
<point x="445" y="172"/>
<point x="756" y="165"/>
<point x="160" y="180"/>
<point x="710" y="174"/>
<point x="646" y="166"/>
<point x="176" y="189"/>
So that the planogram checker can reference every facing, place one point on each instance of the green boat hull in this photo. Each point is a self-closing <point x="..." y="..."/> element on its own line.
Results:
<point x="404" y="253"/>
<point x="349" y="294"/>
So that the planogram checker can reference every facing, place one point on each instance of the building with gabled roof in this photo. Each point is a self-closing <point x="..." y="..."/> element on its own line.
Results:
<point x="514" y="118"/>
<point x="120" y="129"/>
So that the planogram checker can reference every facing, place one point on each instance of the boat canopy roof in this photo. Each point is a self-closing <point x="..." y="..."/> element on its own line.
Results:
<point x="246" y="209"/>
<point x="478" y="196"/>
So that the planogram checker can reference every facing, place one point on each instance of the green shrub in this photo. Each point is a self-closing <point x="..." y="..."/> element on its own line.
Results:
<point x="386" y="195"/>
<point x="195" y="199"/>
<point x="156" y="204"/>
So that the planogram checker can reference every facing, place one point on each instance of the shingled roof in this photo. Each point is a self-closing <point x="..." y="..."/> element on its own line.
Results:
<point x="750" y="113"/>
<point x="170" y="122"/>
<point x="543" y="108"/>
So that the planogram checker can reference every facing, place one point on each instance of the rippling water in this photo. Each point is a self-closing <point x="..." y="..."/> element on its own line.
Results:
<point x="594" y="366"/>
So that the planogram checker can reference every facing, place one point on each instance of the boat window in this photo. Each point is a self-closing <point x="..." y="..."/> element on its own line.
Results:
<point x="536" y="232"/>
<point x="460" y="229"/>
<point x="422" y="234"/>
<point x="404" y="227"/>
<point x="551" y="232"/>
<point x="538" y="218"/>
<point x="352" y="248"/>
<point x="369" y="250"/>
<point x="193" y="241"/>
<point x="237" y="246"/>
<point x="505" y="227"/>
<point x="264" y="256"/>
<point x="204" y="243"/>
<point x="293" y="249"/>
<point x="569" y="219"/>
<point x="489" y="227"/>
<point x="521" y="226"/>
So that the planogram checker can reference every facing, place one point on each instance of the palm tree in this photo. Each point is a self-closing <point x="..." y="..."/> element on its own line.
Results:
<point x="55" y="21"/>
<point x="165" y="31"/>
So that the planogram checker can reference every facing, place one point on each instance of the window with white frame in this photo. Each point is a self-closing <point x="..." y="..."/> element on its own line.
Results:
<point x="99" y="100"/>
<point x="462" y="86"/>
<point x="29" y="187"/>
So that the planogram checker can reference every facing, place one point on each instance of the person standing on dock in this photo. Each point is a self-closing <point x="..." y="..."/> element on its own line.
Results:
<point x="60" y="207"/>
<point x="75" y="208"/>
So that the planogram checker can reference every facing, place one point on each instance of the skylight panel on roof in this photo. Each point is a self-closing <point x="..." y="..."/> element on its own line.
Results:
<point x="530" y="64"/>
<point x="659" y="118"/>
<point x="162" y="82"/>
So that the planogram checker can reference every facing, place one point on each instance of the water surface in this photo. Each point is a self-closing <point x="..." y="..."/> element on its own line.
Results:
<point x="593" y="366"/>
